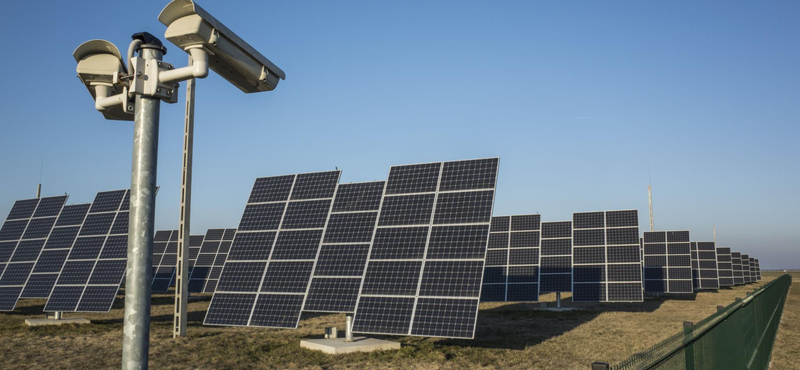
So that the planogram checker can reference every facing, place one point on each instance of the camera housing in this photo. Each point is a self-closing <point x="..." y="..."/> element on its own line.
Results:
<point x="99" y="67"/>
<point x="189" y="27"/>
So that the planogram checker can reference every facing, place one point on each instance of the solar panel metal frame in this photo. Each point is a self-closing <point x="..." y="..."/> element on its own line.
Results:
<point x="509" y="261"/>
<point x="207" y="283"/>
<point x="705" y="277"/>
<point x="121" y="208"/>
<point x="11" y="293"/>
<point x="259" y="293"/>
<point x="66" y="249"/>
<point x="724" y="267"/>
<point x="430" y="224"/>
<point x="667" y="268"/>
<point x="605" y="276"/>
<point x="311" y="295"/>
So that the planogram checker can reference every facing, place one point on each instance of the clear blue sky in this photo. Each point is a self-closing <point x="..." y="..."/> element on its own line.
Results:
<point x="575" y="97"/>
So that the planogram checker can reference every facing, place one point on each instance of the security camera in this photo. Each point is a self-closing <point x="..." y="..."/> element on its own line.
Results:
<point x="195" y="31"/>
<point x="99" y="69"/>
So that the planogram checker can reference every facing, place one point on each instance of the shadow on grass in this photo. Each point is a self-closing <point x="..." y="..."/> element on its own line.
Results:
<point x="517" y="326"/>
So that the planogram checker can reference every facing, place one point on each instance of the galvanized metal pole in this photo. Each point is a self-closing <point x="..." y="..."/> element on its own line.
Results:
<point x="348" y="330"/>
<point x="136" y="339"/>
<point x="184" y="229"/>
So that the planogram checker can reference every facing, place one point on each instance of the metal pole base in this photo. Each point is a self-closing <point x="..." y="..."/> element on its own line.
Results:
<point x="348" y="331"/>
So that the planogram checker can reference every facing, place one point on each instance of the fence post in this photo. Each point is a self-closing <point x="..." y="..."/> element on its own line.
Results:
<point x="601" y="366"/>
<point x="688" y="329"/>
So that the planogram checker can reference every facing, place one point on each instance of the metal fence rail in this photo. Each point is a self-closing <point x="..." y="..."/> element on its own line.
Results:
<point x="739" y="336"/>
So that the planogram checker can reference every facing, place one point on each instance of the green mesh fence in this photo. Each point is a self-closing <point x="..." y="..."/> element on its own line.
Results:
<point x="739" y="336"/>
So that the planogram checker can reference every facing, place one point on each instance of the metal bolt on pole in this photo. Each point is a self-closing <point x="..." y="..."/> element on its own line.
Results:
<point x="184" y="228"/>
<point x="136" y="339"/>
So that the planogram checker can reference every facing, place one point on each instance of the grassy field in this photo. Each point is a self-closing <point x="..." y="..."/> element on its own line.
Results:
<point x="509" y="336"/>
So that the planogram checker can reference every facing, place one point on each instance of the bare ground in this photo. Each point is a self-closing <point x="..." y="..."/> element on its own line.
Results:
<point x="509" y="336"/>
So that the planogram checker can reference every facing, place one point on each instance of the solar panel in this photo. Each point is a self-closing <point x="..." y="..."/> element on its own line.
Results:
<point x="706" y="275"/>
<point x="22" y="238"/>
<point x="425" y="265"/>
<point x="95" y="266"/>
<point x="736" y="262"/>
<point x="746" y="269"/>
<point x="165" y="257"/>
<point x="59" y="243"/>
<point x="758" y="270"/>
<point x="667" y="262"/>
<point x="724" y="266"/>
<point x="343" y="255"/>
<point x="606" y="259"/>
<point x="753" y="277"/>
<point x="210" y="257"/>
<point x="555" y="274"/>
<point x="268" y="270"/>
<point x="512" y="260"/>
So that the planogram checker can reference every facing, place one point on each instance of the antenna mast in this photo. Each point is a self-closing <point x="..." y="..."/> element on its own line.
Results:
<point x="650" y="197"/>
<point x="39" y="188"/>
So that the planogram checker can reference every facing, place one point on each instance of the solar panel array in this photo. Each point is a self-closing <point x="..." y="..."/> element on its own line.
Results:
<point x="606" y="259"/>
<point x="555" y="274"/>
<point x="423" y="275"/>
<point x="724" y="266"/>
<point x="512" y="259"/>
<point x="736" y="258"/>
<point x="746" y="269"/>
<point x="93" y="272"/>
<point x="667" y="262"/>
<point x="210" y="259"/>
<point x="705" y="276"/>
<point x="268" y="270"/>
<point x="340" y="264"/>
<point x="22" y="239"/>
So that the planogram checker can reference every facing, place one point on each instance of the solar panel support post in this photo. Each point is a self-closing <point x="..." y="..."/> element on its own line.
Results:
<point x="558" y="299"/>
<point x="348" y="327"/>
<point x="184" y="228"/>
<point x="136" y="332"/>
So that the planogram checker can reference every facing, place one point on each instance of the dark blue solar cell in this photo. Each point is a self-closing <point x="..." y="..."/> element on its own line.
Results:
<point x="28" y="251"/>
<point x="87" y="248"/>
<point x="107" y="201"/>
<point x="64" y="299"/>
<point x="50" y="206"/>
<point x="62" y="237"/>
<point x="230" y="309"/>
<point x="22" y="209"/>
<point x="98" y="298"/>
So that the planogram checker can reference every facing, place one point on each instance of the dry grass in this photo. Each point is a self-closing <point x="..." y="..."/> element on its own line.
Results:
<point x="509" y="336"/>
